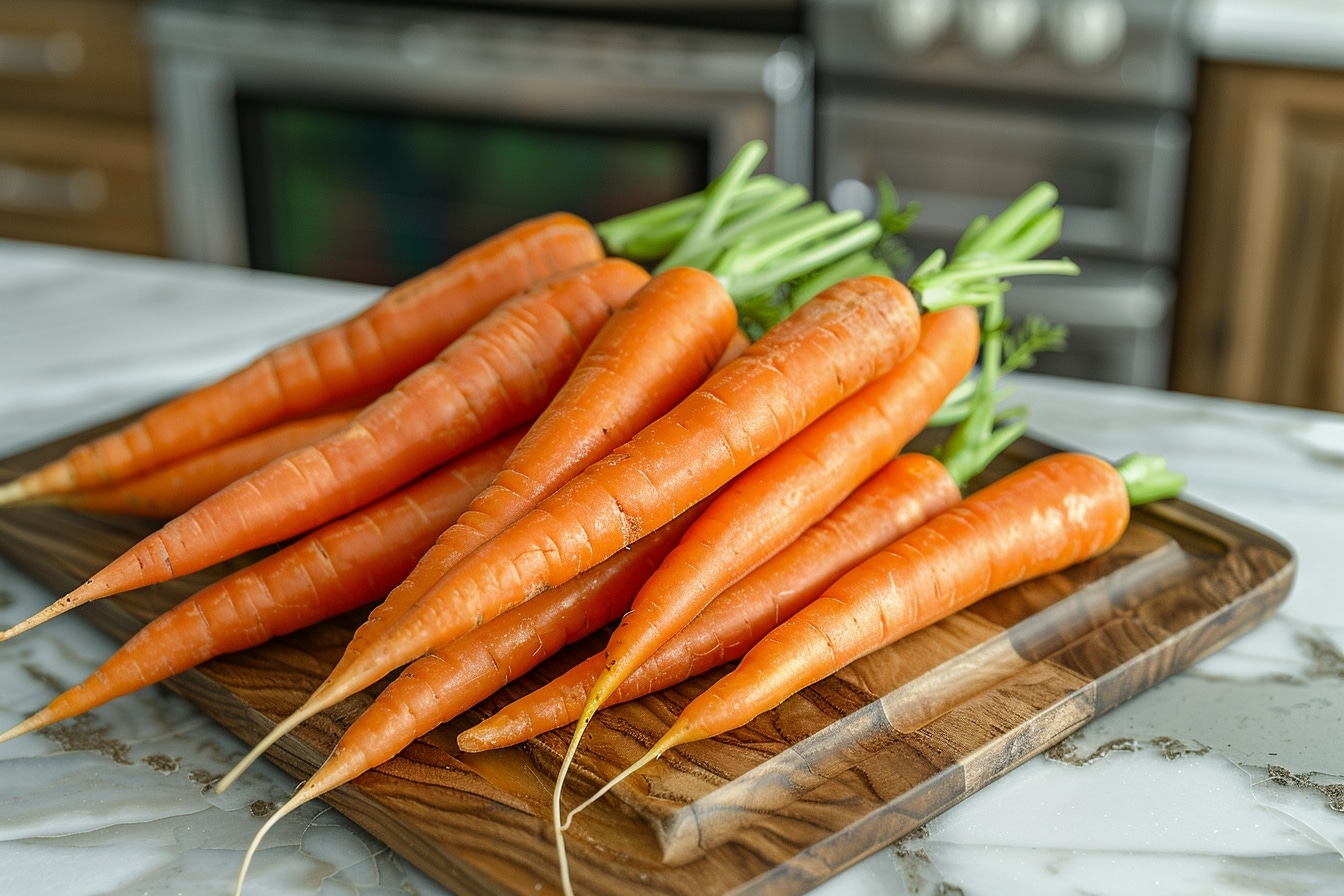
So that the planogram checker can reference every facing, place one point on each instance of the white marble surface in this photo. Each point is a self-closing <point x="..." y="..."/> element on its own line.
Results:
<point x="1276" y="32"/>
<point x="1226" y="779"/>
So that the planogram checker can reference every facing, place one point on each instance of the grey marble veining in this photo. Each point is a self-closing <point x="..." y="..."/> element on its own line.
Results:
<point x="1223" y="779"/>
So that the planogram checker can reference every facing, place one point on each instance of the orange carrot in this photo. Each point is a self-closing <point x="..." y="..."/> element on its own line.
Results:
<point x="373" y="350"/>
<point x="342" y="566"/>
<point x="655" y="349"/>
<point x="1042" y="518"/>
<point x="177" y="487"/>
<point x="650" y="355"/>
<point x="442" y="685"/>
<point x="499" y="374"/>
<point x="898" y="498"/>
<point x="825" y="351"/>
<point x="774" y="502"/>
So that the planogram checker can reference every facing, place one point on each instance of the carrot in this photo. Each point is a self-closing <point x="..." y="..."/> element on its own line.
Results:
<point x="797" y="485"/>
<point x="373" y="350"/>
<point x="776" y="257"/>
<point x="652" y="353"/>
<point x="1044" y="517"/>
<point x="499" y="374"/>
<point x="655" y="349"/>
<point x="809" y="362"/>
<point x="175" y="488"/>
<point x="344" y="565"/>
<point x="442" y="685"/>
<point x="871" y="516"/>
<point x="898" y="498"/>
<point x="779" y="498"/>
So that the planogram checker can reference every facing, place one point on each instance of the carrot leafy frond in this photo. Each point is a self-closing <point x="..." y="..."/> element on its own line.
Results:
<point x="991" y="250"/>
<point x="1031" y="337"/>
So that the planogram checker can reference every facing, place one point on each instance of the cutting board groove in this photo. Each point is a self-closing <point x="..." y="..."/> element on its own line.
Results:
<point x="777" y="807"/>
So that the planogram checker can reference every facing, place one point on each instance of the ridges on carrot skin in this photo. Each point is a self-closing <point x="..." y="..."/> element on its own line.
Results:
<point x="174" y="488"/>
<point x="341" y="566"/>
<point x="904" y="494"/>
<point x="438" y="687"/>
<point x="333" y="479"/>
<point x="775" y="501"/>
<point x="787" y="376"/>
<point x="1014" y="529"/>
<point x="653" y="351"/>
<point x="404" y="329"/>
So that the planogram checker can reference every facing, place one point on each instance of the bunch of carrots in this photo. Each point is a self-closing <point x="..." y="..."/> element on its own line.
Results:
<point x="690" y="421"/>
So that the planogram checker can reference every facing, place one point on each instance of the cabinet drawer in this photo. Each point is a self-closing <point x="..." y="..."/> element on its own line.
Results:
<point x="76" y="55"/>
<point x="80" y="182"/>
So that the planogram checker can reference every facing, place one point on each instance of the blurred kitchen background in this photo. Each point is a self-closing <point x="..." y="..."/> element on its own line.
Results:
<point x="1198" y="145"/>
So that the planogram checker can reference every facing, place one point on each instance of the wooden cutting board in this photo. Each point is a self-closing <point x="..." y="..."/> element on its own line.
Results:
<point x="834" y="774"/>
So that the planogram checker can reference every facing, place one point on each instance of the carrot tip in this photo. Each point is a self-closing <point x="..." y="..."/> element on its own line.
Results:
<point x="12" y="492"/>
<point x="32" y="723"/>
<point x="294" y="802"/>
<point x="319" y="701"/>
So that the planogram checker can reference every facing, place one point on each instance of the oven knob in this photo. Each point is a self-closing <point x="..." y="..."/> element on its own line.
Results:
<point x="997" y="30"/>
<point x="913" y="26"/>
<point x="1087" y="33"/>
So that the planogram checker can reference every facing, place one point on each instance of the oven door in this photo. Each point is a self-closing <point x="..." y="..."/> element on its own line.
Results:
<point x="368" y="143"/>
<point x="1120" y="178"/>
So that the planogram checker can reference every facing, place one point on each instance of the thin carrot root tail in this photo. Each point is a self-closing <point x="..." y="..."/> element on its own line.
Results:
<point x="37" y="720"/>
<point x="589" y="710"/>
<point x="610" y="785"/>
<point x="13" y="492"/>
<point x="295" y="802"/>
<point x="51" y="611"/>
<point x="316" y="703"/>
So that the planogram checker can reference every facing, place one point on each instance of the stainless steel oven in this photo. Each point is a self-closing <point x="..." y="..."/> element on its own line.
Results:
<point x="367" y="141"/>
<point x="966" y="103"/>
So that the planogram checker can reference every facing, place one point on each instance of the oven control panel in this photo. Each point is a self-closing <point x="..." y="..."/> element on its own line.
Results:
<point x="1125" y="50"/>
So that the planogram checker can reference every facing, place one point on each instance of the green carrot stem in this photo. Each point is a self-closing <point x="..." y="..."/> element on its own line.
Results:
<point x="760" y="254"/>
<point x="754" y="219"/>
<point x="718" y="197"/>
<point x="1147" y="478"/>
<point x="650" y="233"/>
<point x="856" y="264"/>
<point x="981" y="284"/>
<point x="976" y="440"/>
<point x="1037" y="235"/>
<point x="991" y="236"/>
<point x="796" y="264"/>
<point x="765" y="222"/>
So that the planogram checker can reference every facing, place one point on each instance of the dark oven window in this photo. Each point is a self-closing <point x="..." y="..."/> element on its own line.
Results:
<point x="374" y="197"/>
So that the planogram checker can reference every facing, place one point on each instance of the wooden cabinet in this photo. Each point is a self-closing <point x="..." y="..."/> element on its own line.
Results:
<point x="77" y="151"/>
<point x="1260" y="311"/>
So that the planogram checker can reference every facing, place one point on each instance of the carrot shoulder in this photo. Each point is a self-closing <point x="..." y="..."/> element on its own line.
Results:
<point x="371" y="351"/>
<point x="174" y="489"/>
<point x="825" y="351"/>
<point x="499" y="374"/>
<point x="898" y="498"/>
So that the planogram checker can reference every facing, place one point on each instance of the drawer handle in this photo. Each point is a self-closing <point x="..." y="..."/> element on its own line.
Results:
<point x="81" y="191"/>
<point x="60" y="54"/>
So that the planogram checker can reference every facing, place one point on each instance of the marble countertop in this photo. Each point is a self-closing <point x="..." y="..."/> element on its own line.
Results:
<point x="1282" y="32"/>
<point x="1226" y="778"/>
